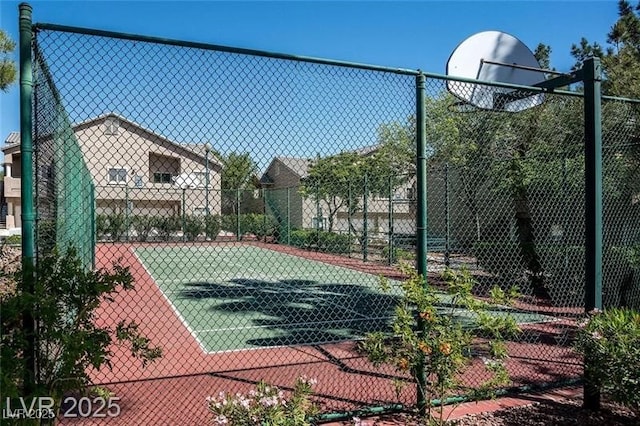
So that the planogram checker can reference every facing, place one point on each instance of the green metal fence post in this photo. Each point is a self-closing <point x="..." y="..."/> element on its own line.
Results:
<point x="421" y="221"/>
<point x="94" y="238"/>
<point x="26" y="192"/>
<point x="126" y="211"/>
<point x="238" y="236"/>
<point x="184" y="217"/>
<point x="317" y="217"/>
<point x="288" y="216"/>
<point x="365" y="230"/>
<point x="593" y="206"/>
<point x="447" y="248"/>
<point x="390" y="207"/>
<point x="349" y="224"/>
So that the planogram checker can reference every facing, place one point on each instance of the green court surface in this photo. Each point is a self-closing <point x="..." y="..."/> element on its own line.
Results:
<point x="242" y="297"/>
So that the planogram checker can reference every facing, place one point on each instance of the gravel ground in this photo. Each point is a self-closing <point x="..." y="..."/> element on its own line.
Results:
<point x="547" y="413"/>
<point x="543" y="413"/>
<point x="9" y="263"/>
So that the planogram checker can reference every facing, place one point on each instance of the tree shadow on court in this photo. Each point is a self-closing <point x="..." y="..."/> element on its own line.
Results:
<point x="297" y="312"/>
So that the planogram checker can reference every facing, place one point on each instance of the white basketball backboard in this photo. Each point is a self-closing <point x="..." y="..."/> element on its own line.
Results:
<point x="487" y="56"/>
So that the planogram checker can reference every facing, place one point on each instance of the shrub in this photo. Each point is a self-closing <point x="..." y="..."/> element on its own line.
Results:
<point x="112" y="225"/>
<point x="260" y="225"/>
<point x="46" y="235"/>
<point x="430" y="340"/>
<point x="212" y="226"/>
<point x="143" y="225"/>
<point x="117" y="226"/>
<point x="330" y="242"/>
<point x="265" y="405"/>
<point x="102" y="225"/>
<point x="166" y="225"/>
<point x="500" y="258"/>
<point x="13" y="240"/>
<point x="398" y="254"/>
<point x="193" y="226"/>
<point x="229" y="223"/>
<point x="610" y="343"/>
<point x="70" y="343"/>
<point x="301" y="238"/>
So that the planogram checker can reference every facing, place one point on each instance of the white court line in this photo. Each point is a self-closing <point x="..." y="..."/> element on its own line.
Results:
<point x="292" y="325"/>
<point x="175" y="310"/>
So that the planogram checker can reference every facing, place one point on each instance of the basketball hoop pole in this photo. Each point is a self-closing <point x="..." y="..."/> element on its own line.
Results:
<point x="522" y="67"/>
<point x="591" y="73"/>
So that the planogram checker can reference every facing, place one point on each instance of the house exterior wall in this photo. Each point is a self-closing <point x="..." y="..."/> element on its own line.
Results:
<point x="283" y="197"/>
<point x="141" y="154"/>
<point x="12" y="187"/>
<point x="285" y="185"/>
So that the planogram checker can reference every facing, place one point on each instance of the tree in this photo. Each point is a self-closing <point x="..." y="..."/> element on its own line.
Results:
<point x="70" y="341"/>
<point x="237" y="175"/>
<point x="331" y="182"/>
<point x="8" y="72"/>
<point x="340" y="181"/>
<point x="621" y="59"/>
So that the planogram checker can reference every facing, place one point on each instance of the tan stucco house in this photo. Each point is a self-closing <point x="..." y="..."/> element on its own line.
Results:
<point x="282" y="181"/>
<point x="132" y="168"/>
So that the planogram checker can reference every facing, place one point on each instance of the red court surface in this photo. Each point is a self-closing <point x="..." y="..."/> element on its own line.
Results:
<point x="173" y="389"/>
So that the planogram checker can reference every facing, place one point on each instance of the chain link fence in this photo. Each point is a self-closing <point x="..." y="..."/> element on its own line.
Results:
<point x="257" y="199"/>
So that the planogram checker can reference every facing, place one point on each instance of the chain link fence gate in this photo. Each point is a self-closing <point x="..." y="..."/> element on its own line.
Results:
<point x="257" y="197"/>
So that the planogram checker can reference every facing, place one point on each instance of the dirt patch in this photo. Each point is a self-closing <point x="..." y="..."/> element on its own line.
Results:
<point x="9" y="264"/>
<point x="560" y="413"/>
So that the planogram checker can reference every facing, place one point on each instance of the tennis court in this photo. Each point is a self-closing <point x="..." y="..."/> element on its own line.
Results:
<point x="244" y="297"/>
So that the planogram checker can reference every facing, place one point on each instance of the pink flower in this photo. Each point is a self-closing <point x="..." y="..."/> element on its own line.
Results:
<point x="221" y="420"/>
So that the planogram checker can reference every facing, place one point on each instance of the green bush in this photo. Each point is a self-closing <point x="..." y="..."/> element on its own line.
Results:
<point x="429" y="339"/>
<point x="102" y="225"/>
<point x="166" y="225"/>
<point x="193" y="226"/>
<point x="228" y="222"/>
<point x="330" y="242"/>
<point x="143" y="225"/>
<point x="610" y="343"/>
<point x="500" y="258"/>
<point x="259" y="225"/>
<point x="13" y="239"/>
<point x="117" y="226"/>
<point x="301" y="238"/>
<point x="265" y="405"/>
<point x="69" y="341"/>
<point x="111" y="226"/>
<point x="398" y="254"/>
<point x="46" y="235"/>
<point x="212" y="226"/>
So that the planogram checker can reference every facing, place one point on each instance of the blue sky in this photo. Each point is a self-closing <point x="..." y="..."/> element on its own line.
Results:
<point x="416" y="34"/>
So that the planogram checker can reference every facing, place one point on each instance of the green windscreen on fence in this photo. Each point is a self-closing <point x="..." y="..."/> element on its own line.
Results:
<point x="65" y="194"/>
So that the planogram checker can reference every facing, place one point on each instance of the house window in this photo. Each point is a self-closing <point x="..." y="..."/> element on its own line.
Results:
<point x="162" y="177"/>
<point x="319" y="222"/>
<point x="117" y="175"/>
<point x="111" y="126"/>
<point x="411" y="195"/>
